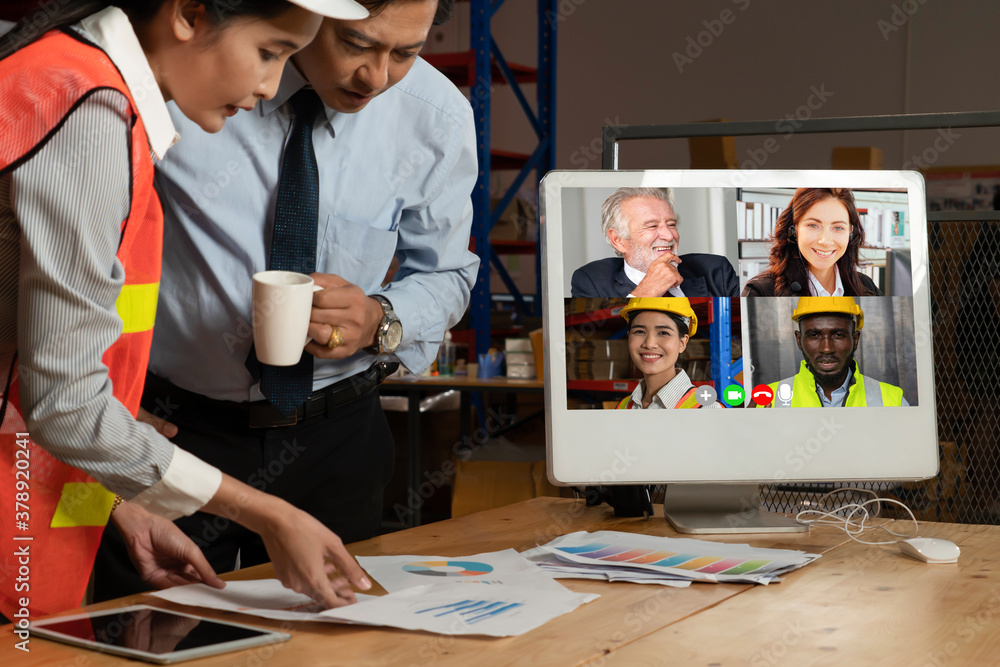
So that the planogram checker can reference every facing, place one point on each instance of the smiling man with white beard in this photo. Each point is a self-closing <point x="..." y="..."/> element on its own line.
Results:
<point x="640" y="224"/>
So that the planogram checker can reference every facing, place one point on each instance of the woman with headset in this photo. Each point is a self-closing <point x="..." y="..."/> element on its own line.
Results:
<point x="815" y="250"/>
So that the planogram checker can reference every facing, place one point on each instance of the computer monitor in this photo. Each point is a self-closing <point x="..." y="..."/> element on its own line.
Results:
<point x="877" y="425"/>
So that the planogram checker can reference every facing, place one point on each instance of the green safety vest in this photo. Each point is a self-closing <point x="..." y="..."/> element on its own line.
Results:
<point x="864" y="391"/>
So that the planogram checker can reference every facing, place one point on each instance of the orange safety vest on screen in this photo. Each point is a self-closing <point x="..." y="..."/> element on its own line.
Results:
<point x="687" y="401"/>
<point x="52" y="515"/>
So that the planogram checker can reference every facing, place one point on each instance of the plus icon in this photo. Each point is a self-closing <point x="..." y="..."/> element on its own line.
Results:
<point x="705" y="395"/>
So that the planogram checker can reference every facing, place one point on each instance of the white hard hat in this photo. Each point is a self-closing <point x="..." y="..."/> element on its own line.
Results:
<point x="335" y="9"/>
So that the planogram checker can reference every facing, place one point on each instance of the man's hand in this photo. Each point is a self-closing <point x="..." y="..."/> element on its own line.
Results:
<point x="661" y="276"/>
<point x="162" y="426"/>
<point x="163" y="555"/>
<point x="343" y="305"/>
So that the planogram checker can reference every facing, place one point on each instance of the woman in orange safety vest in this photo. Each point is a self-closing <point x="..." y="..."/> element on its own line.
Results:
<point x="658" y="332"/>
<point x="83" y="93"/>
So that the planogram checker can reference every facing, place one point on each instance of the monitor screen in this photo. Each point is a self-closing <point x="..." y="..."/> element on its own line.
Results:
<point x="720" y="296"/>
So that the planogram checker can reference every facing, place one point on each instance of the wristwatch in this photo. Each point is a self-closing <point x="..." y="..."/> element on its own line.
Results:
<point x="390" y="329"/>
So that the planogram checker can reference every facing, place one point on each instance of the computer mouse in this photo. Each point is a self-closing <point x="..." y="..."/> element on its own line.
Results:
<point x="930" y="549"/>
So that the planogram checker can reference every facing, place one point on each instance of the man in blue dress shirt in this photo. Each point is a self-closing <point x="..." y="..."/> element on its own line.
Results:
<point x="396" y="152"/>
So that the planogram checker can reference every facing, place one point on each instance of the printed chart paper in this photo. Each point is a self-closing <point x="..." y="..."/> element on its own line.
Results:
<point x="493" y="610"/>
<point x="622" y="555"/>
<point x="266" y="598"/>
<point x="396" y="573"/>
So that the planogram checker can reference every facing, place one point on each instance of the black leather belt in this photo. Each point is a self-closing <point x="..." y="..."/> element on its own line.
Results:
<point x="321" y="402"/>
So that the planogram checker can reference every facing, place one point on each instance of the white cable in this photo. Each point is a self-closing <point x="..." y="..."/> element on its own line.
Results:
<point x="852" y="517"/>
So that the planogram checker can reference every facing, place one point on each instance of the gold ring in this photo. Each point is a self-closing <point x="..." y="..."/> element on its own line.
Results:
<point x="336" y="338"/>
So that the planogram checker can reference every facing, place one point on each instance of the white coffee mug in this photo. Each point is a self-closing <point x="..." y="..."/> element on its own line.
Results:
<point x="282" y="302"/>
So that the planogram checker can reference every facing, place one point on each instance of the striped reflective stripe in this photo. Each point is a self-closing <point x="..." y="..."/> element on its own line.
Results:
<point x="688" y="400"/>
<point x="83" y="504"/>
<point x="873" y="392"/>
<point x="136" y="306"/>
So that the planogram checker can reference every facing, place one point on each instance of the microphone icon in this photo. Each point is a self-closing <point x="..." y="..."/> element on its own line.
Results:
<point x="785" y="393"/>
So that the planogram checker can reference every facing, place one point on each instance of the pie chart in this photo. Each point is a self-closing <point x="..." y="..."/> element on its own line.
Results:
<point x="448" y="568"/>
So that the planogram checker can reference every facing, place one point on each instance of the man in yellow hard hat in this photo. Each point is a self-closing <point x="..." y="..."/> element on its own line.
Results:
<point x="829" y="330"/>
<point x="658" y="332"/>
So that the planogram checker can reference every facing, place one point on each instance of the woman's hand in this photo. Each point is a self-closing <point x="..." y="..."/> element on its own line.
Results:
<point x="303" y="551"/>
<point x="163" y="555"/>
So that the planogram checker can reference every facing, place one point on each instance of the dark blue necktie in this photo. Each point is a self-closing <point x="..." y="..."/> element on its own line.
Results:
<point x="293" y="242"/>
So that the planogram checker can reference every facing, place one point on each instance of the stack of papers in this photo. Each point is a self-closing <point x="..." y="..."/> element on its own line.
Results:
<point x="617" y="556"/>
<point x="497" y="594"/>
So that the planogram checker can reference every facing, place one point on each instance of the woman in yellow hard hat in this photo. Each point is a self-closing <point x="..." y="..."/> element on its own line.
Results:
<point x="658" y="332"/>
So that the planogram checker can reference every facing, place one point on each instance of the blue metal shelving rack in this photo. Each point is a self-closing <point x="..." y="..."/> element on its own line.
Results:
<point x="720" y="345"/>
<point x="491" y="67"/>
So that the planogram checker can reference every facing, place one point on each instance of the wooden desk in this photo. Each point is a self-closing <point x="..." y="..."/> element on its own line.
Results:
<point x="415" y="386"/>
<point x="857" y="605"/>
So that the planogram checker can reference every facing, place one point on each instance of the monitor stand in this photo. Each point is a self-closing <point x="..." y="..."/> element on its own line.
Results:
<point x="722" y="508"/>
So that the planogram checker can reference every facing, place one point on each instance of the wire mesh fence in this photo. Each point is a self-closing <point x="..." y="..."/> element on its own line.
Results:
<point x="965" y="312"/>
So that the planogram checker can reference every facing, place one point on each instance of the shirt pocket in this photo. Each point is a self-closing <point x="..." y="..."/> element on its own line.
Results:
<point x="356" y="252"/>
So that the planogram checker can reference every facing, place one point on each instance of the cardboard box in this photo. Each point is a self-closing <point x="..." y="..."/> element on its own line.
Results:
<point x="537" y="350"/>
<point x="520" y="358"/>
<point x="520" y="268"/>
<point x="713" y="152"/>
<point x="482" y="485"/>
<point x="600" y="350"/>
<point x="517" y="223"/>
<point x="517" y="345"/>
<point x="857" y="157"/>
<point x="521" y="371"/>
<point x="599" y="370"/>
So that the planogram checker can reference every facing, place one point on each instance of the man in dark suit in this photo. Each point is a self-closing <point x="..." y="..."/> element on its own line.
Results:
<point x="640" y="224"/>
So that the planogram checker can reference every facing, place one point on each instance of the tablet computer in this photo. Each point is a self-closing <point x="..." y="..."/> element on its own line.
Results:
<point x="152" y="634"/>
